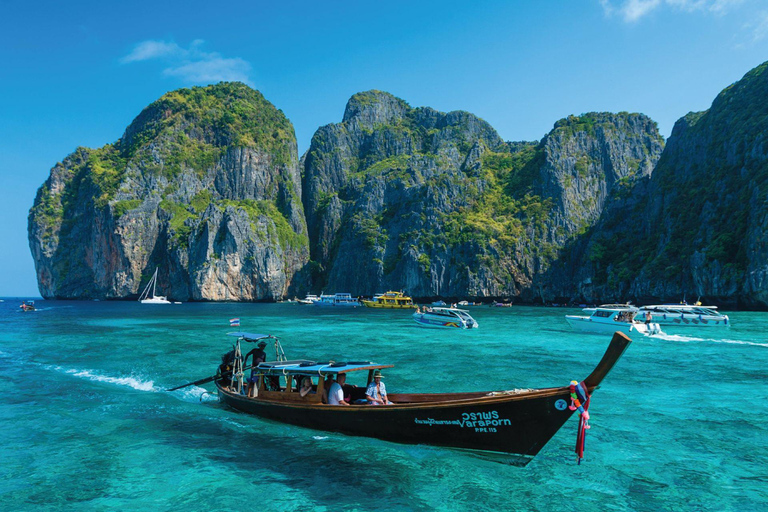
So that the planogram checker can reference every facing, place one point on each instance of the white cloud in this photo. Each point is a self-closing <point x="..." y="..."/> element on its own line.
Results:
<point x="633" y="10"/>
<point x="151" y="50"/>
<point x="191" y="65"/>
<point x="213" y="69"/>
<point x="758" y="28"/>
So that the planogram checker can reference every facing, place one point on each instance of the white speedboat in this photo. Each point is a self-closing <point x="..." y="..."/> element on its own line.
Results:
<point x="154" y="299"/>
<point x="308" y="300"/>
<point x="338" y="299"/>
<point x="451" y="318"/>
<point x="684" y="314"/>
<point x="610" y="320"/>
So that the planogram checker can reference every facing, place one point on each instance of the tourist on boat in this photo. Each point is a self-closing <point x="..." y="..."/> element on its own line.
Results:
<point x="336" y="393"/>
<point x="377" y="391"/>
<point x="306" y="386"/>
<point x="648" y="317"/>
<point x="327" y="387"/>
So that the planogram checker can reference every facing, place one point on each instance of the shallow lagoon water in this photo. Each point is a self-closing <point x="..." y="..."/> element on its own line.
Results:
<point x="679" y="424"/>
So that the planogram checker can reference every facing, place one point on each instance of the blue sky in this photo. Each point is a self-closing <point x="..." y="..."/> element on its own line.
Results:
<point x="76" y="74"/>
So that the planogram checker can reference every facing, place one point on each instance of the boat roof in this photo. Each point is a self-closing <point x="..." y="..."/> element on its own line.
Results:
<point x="306" y="367"/>
<point x="438" y="308"/>
<point x="249" y="336"/>
<point x="678" y="306"/>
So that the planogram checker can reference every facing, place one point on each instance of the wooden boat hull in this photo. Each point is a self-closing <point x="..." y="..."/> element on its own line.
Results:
<point x="512" y="422"/>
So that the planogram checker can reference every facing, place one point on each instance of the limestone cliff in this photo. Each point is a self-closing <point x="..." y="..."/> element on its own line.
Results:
<point x="204" y="185"/>
<point x="700" y="227"/>
<point x="437" y="204"/>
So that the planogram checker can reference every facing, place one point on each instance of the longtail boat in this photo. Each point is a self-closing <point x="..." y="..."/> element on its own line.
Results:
<point x="515" y="424"/>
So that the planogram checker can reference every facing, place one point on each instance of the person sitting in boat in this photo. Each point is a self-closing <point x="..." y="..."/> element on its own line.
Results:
<point x="306" y="386"/>
<point x="224" y="373"/>
<point x="377" y="391"/>
<point x="336" y="393"/>
<point x="329" y="380"/>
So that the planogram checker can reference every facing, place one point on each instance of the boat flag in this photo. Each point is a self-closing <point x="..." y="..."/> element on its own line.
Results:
<point x="234" y="322"/>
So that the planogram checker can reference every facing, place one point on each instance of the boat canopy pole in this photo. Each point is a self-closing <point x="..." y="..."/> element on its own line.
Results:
<point x="237" y="370"/>
<point x="279" y="352"/>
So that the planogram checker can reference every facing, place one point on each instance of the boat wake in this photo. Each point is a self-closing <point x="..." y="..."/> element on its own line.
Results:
<point x="688" y="339"/>
<point x="195" y="394"/>
<point x="675" y="337"/>
<point x="131" y="382"/>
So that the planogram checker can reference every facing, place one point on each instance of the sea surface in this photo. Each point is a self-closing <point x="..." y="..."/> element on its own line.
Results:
<point x="680" y="424"/>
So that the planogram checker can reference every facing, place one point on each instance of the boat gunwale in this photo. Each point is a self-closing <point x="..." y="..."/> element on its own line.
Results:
<point x="486" y="398"/>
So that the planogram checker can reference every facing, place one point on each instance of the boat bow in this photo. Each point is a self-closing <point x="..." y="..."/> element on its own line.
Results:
<point x="619" y="343"/>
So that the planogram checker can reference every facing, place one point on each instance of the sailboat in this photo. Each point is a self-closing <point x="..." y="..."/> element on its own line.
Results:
<point x="154" y="299"/>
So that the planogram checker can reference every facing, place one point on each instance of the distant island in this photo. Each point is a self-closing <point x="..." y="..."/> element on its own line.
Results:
<point x="207" y="186"/>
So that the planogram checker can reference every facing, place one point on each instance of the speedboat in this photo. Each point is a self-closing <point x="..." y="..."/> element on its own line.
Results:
<point x="439" y="303"/>
<point x="27" y="305"/>
<point x="390" y="300"/>
<point x="609" y="320"/>
<point x="338" y="299"/>
<point x="684" y="314"/>
<point x="308" y="300"/>
<point x="451" y="318"/>
<point x="512" y="425"/>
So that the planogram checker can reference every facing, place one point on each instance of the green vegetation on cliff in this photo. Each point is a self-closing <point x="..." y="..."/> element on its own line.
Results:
<point x="184" y="129"/>
<point x="278" y="228"/>
<point x="712" y="175"/>
<point x="191" y="128"/>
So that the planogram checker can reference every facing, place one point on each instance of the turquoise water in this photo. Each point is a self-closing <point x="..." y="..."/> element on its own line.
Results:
<point x="678" y="425"/>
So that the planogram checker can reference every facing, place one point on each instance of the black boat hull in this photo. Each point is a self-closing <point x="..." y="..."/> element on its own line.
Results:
<point x="518" y="422"/>
<point x="515" y="424"/>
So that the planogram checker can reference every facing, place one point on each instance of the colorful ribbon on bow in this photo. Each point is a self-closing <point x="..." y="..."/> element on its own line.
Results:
<point x="580" y="402"/>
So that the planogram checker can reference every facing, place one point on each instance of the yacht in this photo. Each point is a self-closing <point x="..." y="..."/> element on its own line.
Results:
<point x="338" y="299"/>
<point x="145" y="298"/>
<point x="390" y="300"/>
<point x="610" y="320"/>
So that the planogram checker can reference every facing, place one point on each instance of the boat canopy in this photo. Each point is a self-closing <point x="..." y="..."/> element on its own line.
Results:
<point x="436" y="309"/>
<point x="249" y="336"/>
<point x="302" y="367"/>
